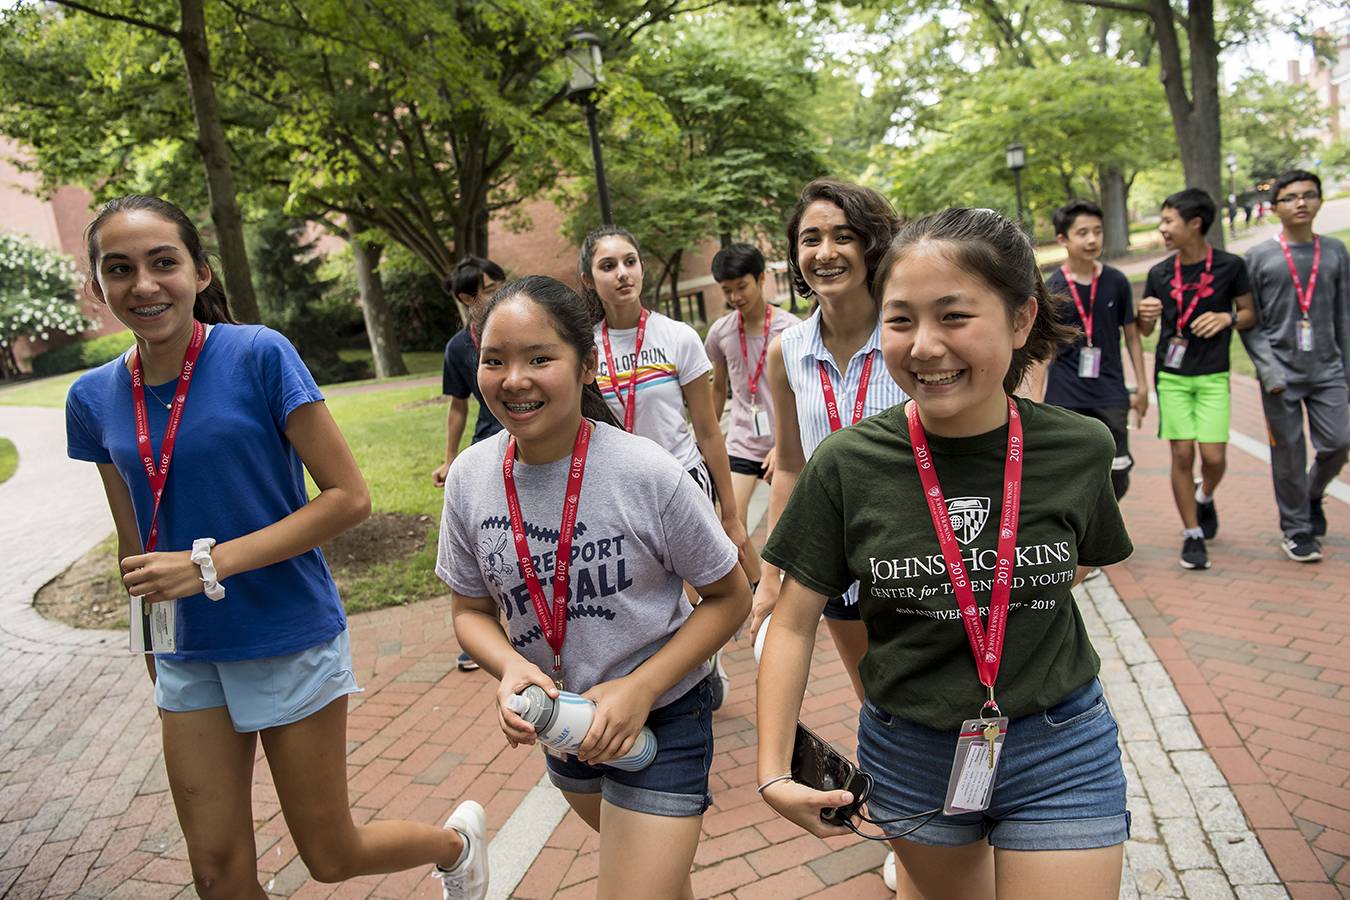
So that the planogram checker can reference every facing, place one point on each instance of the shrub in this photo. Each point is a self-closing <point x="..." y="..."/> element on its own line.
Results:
<point x="81" y="354"/>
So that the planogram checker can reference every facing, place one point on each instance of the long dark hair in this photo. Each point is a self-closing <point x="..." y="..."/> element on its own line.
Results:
<point x="989" y="246"/>
<point x="571" y="318"/>
<point x="212" y="307"/>
<point x="587" y="259"/>
<point x="867" y="213"/>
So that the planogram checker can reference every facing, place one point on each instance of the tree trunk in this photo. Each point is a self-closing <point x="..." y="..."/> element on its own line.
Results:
<point x="1195" y="119"/>
<point x="675" y="284"/>
<point x="380" y="329"/>
<point x="1115" y="213"/>
<point x="215" y="157"/>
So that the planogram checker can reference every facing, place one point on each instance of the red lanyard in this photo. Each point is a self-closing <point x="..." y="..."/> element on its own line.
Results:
<point x="1304" y="297"/>
<point x="831" y="407"/>
<point x="986" y="644"/>
<point x="158" y="475"/>
<point x="1203" y="288"/>
<point x="1085" y="315"/>
<point x="763" y="351"/>
<point x="630" y="406"/>
<point x="553" y="624"/>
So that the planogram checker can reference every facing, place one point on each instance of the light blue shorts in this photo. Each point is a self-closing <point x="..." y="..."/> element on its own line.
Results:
<point x="259" y="693"/>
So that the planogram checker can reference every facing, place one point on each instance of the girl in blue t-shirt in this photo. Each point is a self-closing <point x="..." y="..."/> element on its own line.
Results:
<point x="229" y="420"/>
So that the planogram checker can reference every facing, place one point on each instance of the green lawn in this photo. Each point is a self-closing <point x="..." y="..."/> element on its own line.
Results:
<point x="39" y="392"/>
<point x="9" y="459"/>
<point x="398" y="438"/>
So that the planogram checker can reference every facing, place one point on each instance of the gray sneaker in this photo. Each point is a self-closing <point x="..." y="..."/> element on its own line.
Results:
<point x="469" y="879"/>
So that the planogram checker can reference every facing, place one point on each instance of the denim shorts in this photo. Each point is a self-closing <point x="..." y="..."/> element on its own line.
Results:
<point x="259" y="693"/>
<point x="676" y="783"/>
<point x="1060" y="782"/>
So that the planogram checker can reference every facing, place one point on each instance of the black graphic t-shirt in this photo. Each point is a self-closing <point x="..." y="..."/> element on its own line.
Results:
<point x="858" y="514"/>
<point x="643" y="529"/>
<point x="1111" y="312"/>
<point x="1204" y="356"/>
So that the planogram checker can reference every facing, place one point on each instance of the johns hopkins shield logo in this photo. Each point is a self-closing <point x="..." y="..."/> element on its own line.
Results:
<point x="968" y="515"/>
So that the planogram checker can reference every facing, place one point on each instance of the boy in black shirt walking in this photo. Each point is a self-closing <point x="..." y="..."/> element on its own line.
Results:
<point x="1087" y="376"/>
<point x="1301" y="284"/>
<point x="1200" y="294"/>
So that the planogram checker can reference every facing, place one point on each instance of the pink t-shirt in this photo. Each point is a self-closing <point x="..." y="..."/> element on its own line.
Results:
<point x="724" y="348"/>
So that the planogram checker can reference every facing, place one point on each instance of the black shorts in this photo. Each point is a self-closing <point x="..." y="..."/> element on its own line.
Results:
<point x="740" y="465"/>
<point x="703" y="478"/>
<point x="1116" y="420"/>
<point x="837" y="609"/>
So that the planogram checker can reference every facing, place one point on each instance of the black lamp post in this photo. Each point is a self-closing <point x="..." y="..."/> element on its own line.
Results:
<point x="583" y="59"/>
<point x="1232" y="193"/>
<point x="1017" y="161"/>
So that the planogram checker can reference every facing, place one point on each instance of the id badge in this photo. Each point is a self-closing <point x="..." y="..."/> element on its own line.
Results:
<point x="1090" y="362"/>
<point x="152" y="626"/>
<point x="760" y="419"/>
<point x="1176" y="352"/>
<point x="975" y="765"/>
<point x="1305" y="336"/>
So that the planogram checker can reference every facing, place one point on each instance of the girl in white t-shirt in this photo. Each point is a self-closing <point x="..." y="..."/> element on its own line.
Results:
<point x="629" y="640"/>
<point x="651" y="369"/>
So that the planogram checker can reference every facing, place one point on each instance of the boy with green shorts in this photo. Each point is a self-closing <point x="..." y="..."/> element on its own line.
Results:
<point x="1200" y="294"/>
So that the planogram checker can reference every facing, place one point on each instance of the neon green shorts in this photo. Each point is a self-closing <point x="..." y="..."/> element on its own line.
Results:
<point x="1194" y="407"/>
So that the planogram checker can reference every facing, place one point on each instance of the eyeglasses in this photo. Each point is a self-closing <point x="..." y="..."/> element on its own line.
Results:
<point x="1291" y="199"/>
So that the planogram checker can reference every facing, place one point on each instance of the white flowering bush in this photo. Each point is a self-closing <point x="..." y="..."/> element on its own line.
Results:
<point x="38" y="295"/>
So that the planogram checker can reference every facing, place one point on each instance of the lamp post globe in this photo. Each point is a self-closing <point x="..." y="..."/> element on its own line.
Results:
<point x="583" y="58"/>
<point x="1016" y="156"/>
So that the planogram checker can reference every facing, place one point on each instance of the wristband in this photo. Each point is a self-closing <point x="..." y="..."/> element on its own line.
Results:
<point x="786" y="777"/>
<point x="1234" y="315"/>
<point x="201" y="557"/>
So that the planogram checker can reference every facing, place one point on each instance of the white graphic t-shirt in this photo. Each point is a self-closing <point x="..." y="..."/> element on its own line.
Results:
<point x="643" y="529"/>
<point x="672" y="356"/>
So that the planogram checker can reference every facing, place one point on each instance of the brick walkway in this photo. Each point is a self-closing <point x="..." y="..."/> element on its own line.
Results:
<point x="1259" y="649"/>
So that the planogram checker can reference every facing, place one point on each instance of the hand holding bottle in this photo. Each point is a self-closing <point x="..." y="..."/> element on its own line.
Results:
<point x="621" y="709"/>
<point x="516" y="677"/>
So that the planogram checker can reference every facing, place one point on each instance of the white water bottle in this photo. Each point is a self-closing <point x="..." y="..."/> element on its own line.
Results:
<point x="562" y="724"/>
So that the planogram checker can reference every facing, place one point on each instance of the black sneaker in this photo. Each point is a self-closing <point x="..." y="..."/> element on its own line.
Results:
<point x="1207" y="518"/>
<point x="1193" y="555"/>
<point x="1302" y="548"/>
<point x="465" y="663"/>
<point x="1319" y="518"/>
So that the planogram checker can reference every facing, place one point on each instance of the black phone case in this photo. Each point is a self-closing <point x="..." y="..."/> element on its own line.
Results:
<point x="818" y="765"/>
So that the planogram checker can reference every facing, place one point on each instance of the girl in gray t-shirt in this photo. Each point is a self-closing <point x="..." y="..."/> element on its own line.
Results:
<point x="639" y="528"/>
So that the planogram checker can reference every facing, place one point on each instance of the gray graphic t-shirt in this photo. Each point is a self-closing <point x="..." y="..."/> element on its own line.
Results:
<point x="643" y="528"/>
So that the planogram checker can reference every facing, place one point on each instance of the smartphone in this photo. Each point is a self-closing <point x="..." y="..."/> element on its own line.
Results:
<point x="818" y="765"/>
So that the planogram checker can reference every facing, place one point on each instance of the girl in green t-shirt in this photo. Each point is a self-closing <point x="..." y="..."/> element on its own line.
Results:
<point x="959" y="507"/>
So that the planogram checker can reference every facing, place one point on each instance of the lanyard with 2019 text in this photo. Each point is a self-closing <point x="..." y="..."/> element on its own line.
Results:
<point x="552" y="622"/>
<point x="159" y="474"/>
<point x="859" y="402"/>
<point x="1304" y="297"/>
<point x="630" y="404"/>
<point x="985" y="643"/>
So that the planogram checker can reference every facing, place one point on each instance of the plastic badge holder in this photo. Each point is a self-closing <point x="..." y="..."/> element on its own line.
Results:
<point x="153" y="626"/>
<point x="971" y="785"/>
<point x="1305" y="341"/>
<point x="1176" y="352"/>
<point x="1090" y="362"/>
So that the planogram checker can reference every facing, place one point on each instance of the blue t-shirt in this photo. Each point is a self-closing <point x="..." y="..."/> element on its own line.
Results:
<point x="1112" y="311"/>
<point x="233" y="472"/>
<point x="459" y="378"/>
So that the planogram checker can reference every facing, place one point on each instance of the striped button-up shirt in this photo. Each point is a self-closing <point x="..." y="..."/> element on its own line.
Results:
<point x="803" y="351"/>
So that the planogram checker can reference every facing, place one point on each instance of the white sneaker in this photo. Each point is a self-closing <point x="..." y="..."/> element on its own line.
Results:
<point x="888" y="871"/>
<point x="469" y="879"/>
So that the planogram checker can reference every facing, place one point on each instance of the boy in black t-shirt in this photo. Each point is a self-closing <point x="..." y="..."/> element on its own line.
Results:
<point x="1087" y="376"/>
<point x="1200" y="294"/>
<point x="475" y="279"/>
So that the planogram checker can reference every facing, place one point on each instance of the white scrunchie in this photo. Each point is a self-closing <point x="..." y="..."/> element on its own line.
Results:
<point x="201" y="556"/>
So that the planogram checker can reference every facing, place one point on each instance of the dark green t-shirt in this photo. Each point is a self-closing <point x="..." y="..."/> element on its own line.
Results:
<point x="858" y="514"/>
